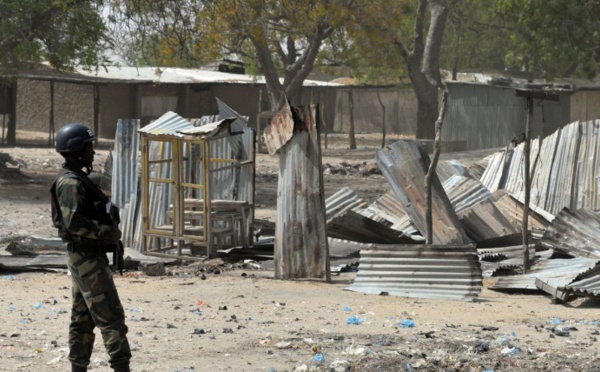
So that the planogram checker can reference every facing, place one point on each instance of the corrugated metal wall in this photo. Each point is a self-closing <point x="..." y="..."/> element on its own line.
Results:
<point x="400" y="111"/>
<point x="486" y="116"/>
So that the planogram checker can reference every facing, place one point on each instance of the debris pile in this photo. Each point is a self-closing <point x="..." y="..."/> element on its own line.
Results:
<point x="477" y="221"/>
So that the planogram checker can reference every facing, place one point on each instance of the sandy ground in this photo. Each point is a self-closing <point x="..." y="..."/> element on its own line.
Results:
<point x="240" y="319"/>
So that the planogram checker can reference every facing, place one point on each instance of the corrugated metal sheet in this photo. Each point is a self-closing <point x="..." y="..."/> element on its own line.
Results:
<point x="587" y="283"/>
<point x="464" y="192"/>
<point x="556" y="272"/>
<point x="174" y="75"/>
<point x="125" y="180"/>
<point x="441" y="272"/>
<point x="491" y="254"/>
<point x="169" y="124"/>
<point x="301" y="249"/>
<point x="230" y="184"/>
<point x="477" y="212"/>
<point x="389" y="211"/>
<point x="512" y="209"/>
<point x="208" y="130"/>
<point x="341" y="202"/>
<point x="280" y="130"/>
<point x="486" y="116"/>
<point x="575" y="233"/>
<point x="404" y="164"/>
<point x="357" y="228"/>
<point x="484" y="221"/>
<point x="227" y="112"/>
<point x="565" y="169"/>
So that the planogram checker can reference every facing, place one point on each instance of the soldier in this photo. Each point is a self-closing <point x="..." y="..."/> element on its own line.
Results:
<point x="82" y="214"/>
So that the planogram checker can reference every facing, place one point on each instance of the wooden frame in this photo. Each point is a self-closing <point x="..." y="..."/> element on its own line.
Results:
<point x="190" y="200"/>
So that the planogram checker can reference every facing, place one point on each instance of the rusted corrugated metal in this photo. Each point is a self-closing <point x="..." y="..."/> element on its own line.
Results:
<point x="555" y="272"/>
<point x="475" y="209"/>
<point x="564" y="167"/>
<point x="357" y="228"/>
<point x="575" y="233"/>
<point x="405" y="164"/>
<point x="389" y="211"/>
<point x="431" y="271"/>
<point x="342" y="201"/>
<point x="484" y="221"/>
<point x="301" y="249"/>
<point x="280" y="130"/>
<point x="512" y="209"/>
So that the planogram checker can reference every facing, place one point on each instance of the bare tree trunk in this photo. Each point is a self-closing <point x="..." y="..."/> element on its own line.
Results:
<point x="382" y="120"/>
<point x="527" y="179"/>
<point x="423" y="62"/>
<point x="351" y="109"/>
<point x="433" y="166"/>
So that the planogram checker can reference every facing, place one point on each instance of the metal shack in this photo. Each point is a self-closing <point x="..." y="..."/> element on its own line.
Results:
<point x="197" y="186"/>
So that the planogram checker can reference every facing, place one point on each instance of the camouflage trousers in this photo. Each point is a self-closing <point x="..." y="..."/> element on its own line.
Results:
<point x="95" y="304"/>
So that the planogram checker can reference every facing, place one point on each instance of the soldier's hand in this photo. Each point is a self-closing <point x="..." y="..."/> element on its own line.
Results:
<point x="111" y="234"/>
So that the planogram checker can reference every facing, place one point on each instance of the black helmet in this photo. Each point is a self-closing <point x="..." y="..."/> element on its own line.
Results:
<point x="73" y="137"/>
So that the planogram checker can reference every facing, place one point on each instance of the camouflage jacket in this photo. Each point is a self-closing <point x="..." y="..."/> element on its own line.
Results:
<point x="77" y="211"/>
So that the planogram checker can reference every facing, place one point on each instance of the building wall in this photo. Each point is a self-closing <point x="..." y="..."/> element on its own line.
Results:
<point x="400" y="104"/>
<point x="73" y="103"/>
<point x="481" y="116"/>
<point x="585" y="105"/>
<point x="116" y="102"/>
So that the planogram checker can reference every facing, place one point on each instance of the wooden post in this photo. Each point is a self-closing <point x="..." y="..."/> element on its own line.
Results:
<point x="527" y="151"/>
<point x="11" y="130"/>
<point x="51" y="125"/>
<point x="432" y="166"/>
<point x="96" y="110"/>
<point x="351" y="110"/>
<point x="382" y="120"/>
<point x="529" y="96"/>
<point x="322" y="111"/>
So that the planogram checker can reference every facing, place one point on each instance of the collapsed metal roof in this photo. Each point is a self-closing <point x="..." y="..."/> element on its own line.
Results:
<point x="575" y="233"/>
<point x="555" y="272"/>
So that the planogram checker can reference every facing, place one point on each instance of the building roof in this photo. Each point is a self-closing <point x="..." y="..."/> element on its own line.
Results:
<point x="173" y="75"/>
<point x="152" y="75"/>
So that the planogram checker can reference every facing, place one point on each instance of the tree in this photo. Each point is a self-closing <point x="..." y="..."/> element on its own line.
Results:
<point x="62" y="32"/>
<point x="386" y="42"/>
<point x="474" y="38"/>
<point x="282" y="38"/>
<point x="552" y="38"/>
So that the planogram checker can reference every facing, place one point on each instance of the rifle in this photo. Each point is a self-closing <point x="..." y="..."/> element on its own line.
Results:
<point x="118" y="254"/>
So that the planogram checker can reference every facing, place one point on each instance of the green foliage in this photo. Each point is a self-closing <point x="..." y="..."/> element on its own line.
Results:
<point x="63" y="32"/>
<point x="551" y="37"/>
<point x="474" y="40"/>
<point x="156" y="32"/>
<point x="281" y="38"/>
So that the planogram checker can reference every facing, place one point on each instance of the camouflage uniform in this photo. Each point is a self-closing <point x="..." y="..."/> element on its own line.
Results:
<point x="85" y="227"/>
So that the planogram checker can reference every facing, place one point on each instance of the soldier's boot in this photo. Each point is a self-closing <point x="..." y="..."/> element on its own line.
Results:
<point x="76" y="368"/>
<point x="123" y="367"/>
